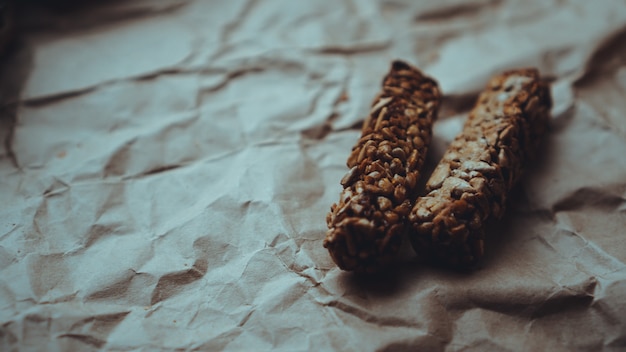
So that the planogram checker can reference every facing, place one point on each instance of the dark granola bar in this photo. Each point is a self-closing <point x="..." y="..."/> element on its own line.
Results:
<point x="367" y="225"/>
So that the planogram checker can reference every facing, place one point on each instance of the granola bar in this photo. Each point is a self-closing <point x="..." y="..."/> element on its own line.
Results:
<point x="367" y="225"/>
<point x="481" y="166"/>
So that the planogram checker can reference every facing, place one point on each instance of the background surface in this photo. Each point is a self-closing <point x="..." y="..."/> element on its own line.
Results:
<point x="168" y="166"/>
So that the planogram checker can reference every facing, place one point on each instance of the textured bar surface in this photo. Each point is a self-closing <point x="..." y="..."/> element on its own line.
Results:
<point x="368" y="223"/>
<point x="471" y="183"/>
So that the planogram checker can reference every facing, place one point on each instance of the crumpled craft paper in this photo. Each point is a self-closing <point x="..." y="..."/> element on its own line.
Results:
<point x="168" y="165"/>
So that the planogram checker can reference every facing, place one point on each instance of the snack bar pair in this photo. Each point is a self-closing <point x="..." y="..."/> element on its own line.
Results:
<point x="380" y="201"/>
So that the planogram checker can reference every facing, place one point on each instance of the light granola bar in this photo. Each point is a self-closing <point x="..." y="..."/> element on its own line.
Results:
<point x="481" y="166"/>
<point x="367" y="226"/>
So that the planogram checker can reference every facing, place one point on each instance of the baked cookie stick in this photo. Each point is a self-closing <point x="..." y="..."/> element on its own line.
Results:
<point x="471" y="183"/>
<point x="368" y="224"/>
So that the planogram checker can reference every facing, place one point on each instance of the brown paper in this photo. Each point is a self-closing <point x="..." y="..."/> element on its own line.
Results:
<point x="168" y="166"/>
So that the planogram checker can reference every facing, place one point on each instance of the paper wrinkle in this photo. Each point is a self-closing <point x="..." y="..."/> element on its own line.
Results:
<point x="168" y="165"/>
<point x="147" y="46"/>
